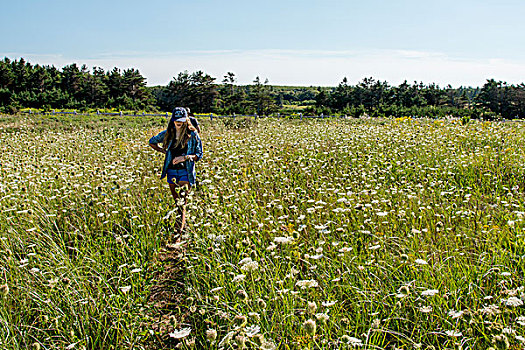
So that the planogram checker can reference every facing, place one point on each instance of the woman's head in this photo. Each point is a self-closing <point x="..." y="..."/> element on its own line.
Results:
<point x="180" y="119"/>
<point x="179" y="125"/>
<point x="179" y="114"/>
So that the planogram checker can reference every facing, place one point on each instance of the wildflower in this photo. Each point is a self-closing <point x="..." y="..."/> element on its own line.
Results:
<point x="240" y="341"/>
<point x="455" y="314"/>
<point x="283" y="240"/>
<point x="245" y="261"/>
<point x="181" y="333"/>
<point x="501" y="341"/>
<point x="430" y="292"/>
<point x="125" y="289"/>
<point x="252" y="330"/>
<point x="453" y="333"/>
<point x="271" y="247"/>
<point x="216" y="289"/>
<point x="268" y="345"/>
<point x="304" y="284"/>
<point x="312" y="307"/>
<point x="238" y="278"/>
<point x="490" y="310"/>
<point x="4" y="289"/>
<point x="421" y="262"/>
<point x="316" y="257"/>
<point x="322" y="317"/>
<point x="329" y="303"/>
<point x="512" y="301"/>
<point x="521" y="320"/>
<point x="355" y="342"/>
<point x="250" y="266"/>
<point x="310" y="326"/>
<point x="425" y="309"/>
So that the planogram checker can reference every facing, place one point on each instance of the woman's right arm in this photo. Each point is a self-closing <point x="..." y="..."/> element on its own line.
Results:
<point x="155" y="140"/>
<point x="157" y="148"/>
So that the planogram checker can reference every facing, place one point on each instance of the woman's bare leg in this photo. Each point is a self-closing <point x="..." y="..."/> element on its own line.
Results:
<point x="179" y="191"/>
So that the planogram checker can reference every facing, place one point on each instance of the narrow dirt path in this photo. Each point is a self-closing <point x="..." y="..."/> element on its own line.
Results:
<point x="167" y="296"/>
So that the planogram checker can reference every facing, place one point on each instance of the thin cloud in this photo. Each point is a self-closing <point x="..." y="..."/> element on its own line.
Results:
<point x="306" y="67"/>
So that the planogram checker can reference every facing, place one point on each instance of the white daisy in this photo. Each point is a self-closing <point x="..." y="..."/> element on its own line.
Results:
<point x="181" y="333"/>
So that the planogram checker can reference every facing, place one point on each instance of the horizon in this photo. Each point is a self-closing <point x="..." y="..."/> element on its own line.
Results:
<point x="108" y="68"/>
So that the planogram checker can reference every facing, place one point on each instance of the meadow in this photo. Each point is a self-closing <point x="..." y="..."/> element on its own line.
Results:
<point x="314" y="234"/>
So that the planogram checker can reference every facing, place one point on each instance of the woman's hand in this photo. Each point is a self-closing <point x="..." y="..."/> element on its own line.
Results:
<point x="178" y="160"/>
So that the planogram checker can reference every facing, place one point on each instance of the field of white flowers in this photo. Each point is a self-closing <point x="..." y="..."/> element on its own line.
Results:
<point x="313" y="234"/>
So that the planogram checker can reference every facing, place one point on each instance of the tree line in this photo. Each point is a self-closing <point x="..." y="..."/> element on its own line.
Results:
<point x="24" y="85"/>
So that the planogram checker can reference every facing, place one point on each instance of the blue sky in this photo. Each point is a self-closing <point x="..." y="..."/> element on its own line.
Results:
<point x="290" y="42"/>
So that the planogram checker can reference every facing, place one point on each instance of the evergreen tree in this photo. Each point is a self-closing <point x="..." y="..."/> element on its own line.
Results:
<point x="261" y="97"/>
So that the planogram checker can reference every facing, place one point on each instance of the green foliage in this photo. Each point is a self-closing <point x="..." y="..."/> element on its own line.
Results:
<point x="196" y="90"/>
<point x="22" y="84"/>
<point x="465" y="120"/>
<point x="503" y="99"/>
<point x="74" y="87"/>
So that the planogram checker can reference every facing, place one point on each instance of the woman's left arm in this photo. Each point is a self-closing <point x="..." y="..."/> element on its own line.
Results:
<point x="197" y="155"/>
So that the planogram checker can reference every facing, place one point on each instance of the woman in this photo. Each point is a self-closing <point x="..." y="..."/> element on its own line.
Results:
<point x="183" y="147"/>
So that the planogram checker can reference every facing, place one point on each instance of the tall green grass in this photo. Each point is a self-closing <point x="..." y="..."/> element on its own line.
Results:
<point x="317" y="234"/>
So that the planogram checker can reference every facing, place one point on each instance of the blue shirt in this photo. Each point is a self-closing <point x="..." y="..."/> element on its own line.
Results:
<point x="194" y="148"/>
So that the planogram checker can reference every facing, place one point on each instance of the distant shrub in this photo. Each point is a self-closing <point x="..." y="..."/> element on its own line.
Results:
<point x="465" y="120"/>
